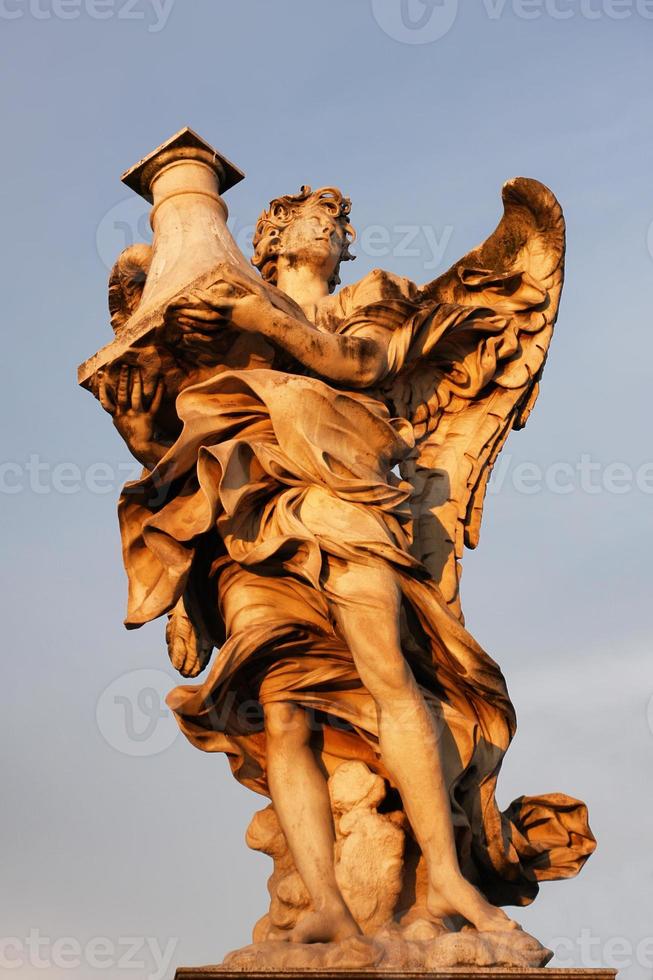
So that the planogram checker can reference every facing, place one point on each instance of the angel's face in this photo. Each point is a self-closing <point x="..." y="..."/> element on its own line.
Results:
<point x="314" y="238"/>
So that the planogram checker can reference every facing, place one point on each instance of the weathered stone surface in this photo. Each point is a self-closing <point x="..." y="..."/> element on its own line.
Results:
<point x="369" y="846"/>
<point x="369" y="851"/>
<point x="391" y="951"/>
<point x="271" y="413"/>
<point x="369" y="868"/>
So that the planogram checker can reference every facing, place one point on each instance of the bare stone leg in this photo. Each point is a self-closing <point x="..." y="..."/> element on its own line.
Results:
<point x="366" y="604"/>
<point x="301" y="800"/>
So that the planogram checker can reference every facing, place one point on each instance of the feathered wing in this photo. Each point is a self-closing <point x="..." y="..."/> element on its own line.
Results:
<point x="127" y="281"/>
<point x="480" y="378"/>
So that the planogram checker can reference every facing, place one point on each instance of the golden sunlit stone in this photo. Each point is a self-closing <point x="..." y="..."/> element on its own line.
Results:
<point x="271" y="413"/>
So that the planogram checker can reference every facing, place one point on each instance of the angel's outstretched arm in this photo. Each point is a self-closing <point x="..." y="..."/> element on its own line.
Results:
<point x="357" y="361"/>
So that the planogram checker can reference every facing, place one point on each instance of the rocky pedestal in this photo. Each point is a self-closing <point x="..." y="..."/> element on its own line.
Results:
<point x="382" y="876"/>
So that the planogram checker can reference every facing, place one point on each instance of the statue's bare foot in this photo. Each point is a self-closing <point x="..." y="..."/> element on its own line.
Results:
<point x="327" y="926"/>
<point x="459" y="897"/>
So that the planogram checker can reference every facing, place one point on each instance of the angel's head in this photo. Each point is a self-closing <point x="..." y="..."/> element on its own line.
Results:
<point x="309" y="229"/>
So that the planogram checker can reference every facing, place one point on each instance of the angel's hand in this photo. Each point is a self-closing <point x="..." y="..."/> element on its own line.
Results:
<point x="233" y="301"/>
<point x="189" y="650"/>
<point x="246" y="305"/>
<point x="133" y="406"/>
<point x="193" y="321"/>
<point x="246" y="302"/>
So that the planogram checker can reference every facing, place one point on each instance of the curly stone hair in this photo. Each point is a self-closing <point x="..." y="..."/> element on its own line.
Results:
<point x="282" y="211"/>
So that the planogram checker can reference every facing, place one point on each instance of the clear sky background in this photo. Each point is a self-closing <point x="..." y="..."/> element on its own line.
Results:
<point x="420" y="121"/>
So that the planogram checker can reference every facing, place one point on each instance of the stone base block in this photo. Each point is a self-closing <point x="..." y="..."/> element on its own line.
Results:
<point x="454" y="973"/>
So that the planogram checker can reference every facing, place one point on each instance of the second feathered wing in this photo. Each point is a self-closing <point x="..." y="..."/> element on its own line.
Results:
<point x="465" y="387"/>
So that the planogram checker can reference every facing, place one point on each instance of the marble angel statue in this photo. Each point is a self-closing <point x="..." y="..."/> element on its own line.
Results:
<point x="302" y="519"/>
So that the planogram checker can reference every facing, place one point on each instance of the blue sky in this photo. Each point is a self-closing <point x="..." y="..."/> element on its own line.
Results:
<point x="420" y="125"/>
